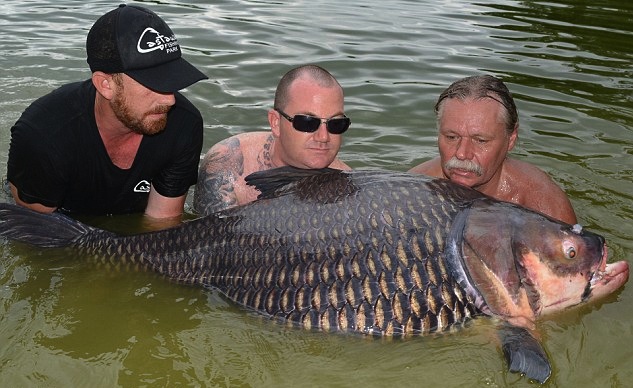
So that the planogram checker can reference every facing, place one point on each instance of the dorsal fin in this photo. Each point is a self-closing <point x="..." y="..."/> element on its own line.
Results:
<point x="277" y="181"/>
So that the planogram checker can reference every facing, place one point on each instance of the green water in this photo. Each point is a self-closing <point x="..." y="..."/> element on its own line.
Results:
<point x="64" y="322"/>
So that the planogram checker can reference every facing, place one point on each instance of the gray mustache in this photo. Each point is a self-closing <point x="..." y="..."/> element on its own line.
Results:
<point x="466" y="165"/>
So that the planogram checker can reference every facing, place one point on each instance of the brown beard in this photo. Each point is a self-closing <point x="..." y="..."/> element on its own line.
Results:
<point x="142" y="126"/>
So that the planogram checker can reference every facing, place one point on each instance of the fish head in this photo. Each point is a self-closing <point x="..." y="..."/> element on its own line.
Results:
<point x="564" y="265"/>
<point x="526" y="264"/>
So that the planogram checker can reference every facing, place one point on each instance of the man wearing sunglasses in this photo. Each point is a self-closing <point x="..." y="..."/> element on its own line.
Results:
<point x="478" y="126"/>
<point x="306" y="122"/>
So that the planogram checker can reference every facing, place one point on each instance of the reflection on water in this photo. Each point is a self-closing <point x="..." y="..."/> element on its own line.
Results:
<point x="568" y="63"/>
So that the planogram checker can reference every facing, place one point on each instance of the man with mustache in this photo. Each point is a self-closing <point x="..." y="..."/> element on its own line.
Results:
<point x="478" y="126"/>
<point x="123" y="141"/>
<point x="307" y="122"/>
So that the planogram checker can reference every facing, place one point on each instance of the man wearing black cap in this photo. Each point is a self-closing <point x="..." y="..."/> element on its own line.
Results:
<point x="124" y="141"/>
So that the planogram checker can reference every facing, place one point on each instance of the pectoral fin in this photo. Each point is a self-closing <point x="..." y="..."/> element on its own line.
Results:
<point x="524" y="353"/>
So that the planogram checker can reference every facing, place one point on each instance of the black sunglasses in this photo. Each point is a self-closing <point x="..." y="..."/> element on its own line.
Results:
<point x="307" y="123"/>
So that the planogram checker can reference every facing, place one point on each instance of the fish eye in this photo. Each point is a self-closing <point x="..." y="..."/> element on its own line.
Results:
<point x="570" y="252"/>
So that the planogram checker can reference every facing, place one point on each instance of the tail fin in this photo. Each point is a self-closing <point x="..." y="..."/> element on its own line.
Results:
<point x="44" y="230"/>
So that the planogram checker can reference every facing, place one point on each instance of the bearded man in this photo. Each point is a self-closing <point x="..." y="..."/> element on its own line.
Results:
<point x="124" y="141"/>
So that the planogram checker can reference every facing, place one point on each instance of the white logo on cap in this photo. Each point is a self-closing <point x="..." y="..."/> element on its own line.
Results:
<point x="152" y="40"/>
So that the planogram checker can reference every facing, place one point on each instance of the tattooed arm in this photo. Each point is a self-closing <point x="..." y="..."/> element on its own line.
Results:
<point x="220" y="170"/>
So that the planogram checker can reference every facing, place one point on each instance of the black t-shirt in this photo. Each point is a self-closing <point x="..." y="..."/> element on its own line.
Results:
<point x="57" y="157"/>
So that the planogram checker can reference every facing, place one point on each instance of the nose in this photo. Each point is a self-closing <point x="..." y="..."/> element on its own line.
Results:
<point x="322" y="135"/>
<point x="464" y="149"/>
<point x="167" y="99"/>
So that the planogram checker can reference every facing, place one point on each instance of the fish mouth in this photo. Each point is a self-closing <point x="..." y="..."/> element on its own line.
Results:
<point x="606" y="278"/>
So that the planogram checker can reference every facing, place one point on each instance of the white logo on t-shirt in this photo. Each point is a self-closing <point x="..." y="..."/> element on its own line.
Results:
<point x="142" y="187"/>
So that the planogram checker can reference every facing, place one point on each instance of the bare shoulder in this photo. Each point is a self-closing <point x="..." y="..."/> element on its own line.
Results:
<point x="539" y="191"/>
<point x="432" y="167"/>
<point x="232" y="152"/>
<point x="221" y="175"/>
<point x="221" y="154"/>
<point x="250" y="140"/>
<point x="526" y="175"/>
<point x="340" y="165"/>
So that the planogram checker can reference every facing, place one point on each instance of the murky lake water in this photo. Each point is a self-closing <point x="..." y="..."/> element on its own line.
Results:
<point x="64" y="322"/>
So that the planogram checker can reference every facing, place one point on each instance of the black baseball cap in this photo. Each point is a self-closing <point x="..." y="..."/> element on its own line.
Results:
<point x="135" y="41"/>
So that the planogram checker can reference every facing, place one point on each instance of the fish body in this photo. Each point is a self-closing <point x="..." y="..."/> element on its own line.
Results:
<point x="373" y="252"/>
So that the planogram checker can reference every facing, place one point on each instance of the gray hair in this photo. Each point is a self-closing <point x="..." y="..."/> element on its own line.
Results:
<point x="479" y="87"/>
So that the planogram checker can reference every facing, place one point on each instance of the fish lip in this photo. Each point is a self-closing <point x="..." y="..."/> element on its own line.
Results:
<point x="609" y="273"/>
<point x="606" y="278"/>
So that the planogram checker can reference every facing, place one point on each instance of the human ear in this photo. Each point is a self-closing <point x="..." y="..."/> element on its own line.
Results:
<point x="103" y="83"/>
<point x="273" y="121"/>
<point x="513" y="137"/>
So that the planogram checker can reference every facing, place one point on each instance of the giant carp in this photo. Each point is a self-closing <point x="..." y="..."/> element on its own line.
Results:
<point x="372" y="252"/>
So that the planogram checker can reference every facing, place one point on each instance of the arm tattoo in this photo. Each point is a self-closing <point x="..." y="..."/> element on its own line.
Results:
<point x="217" y="176"/>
